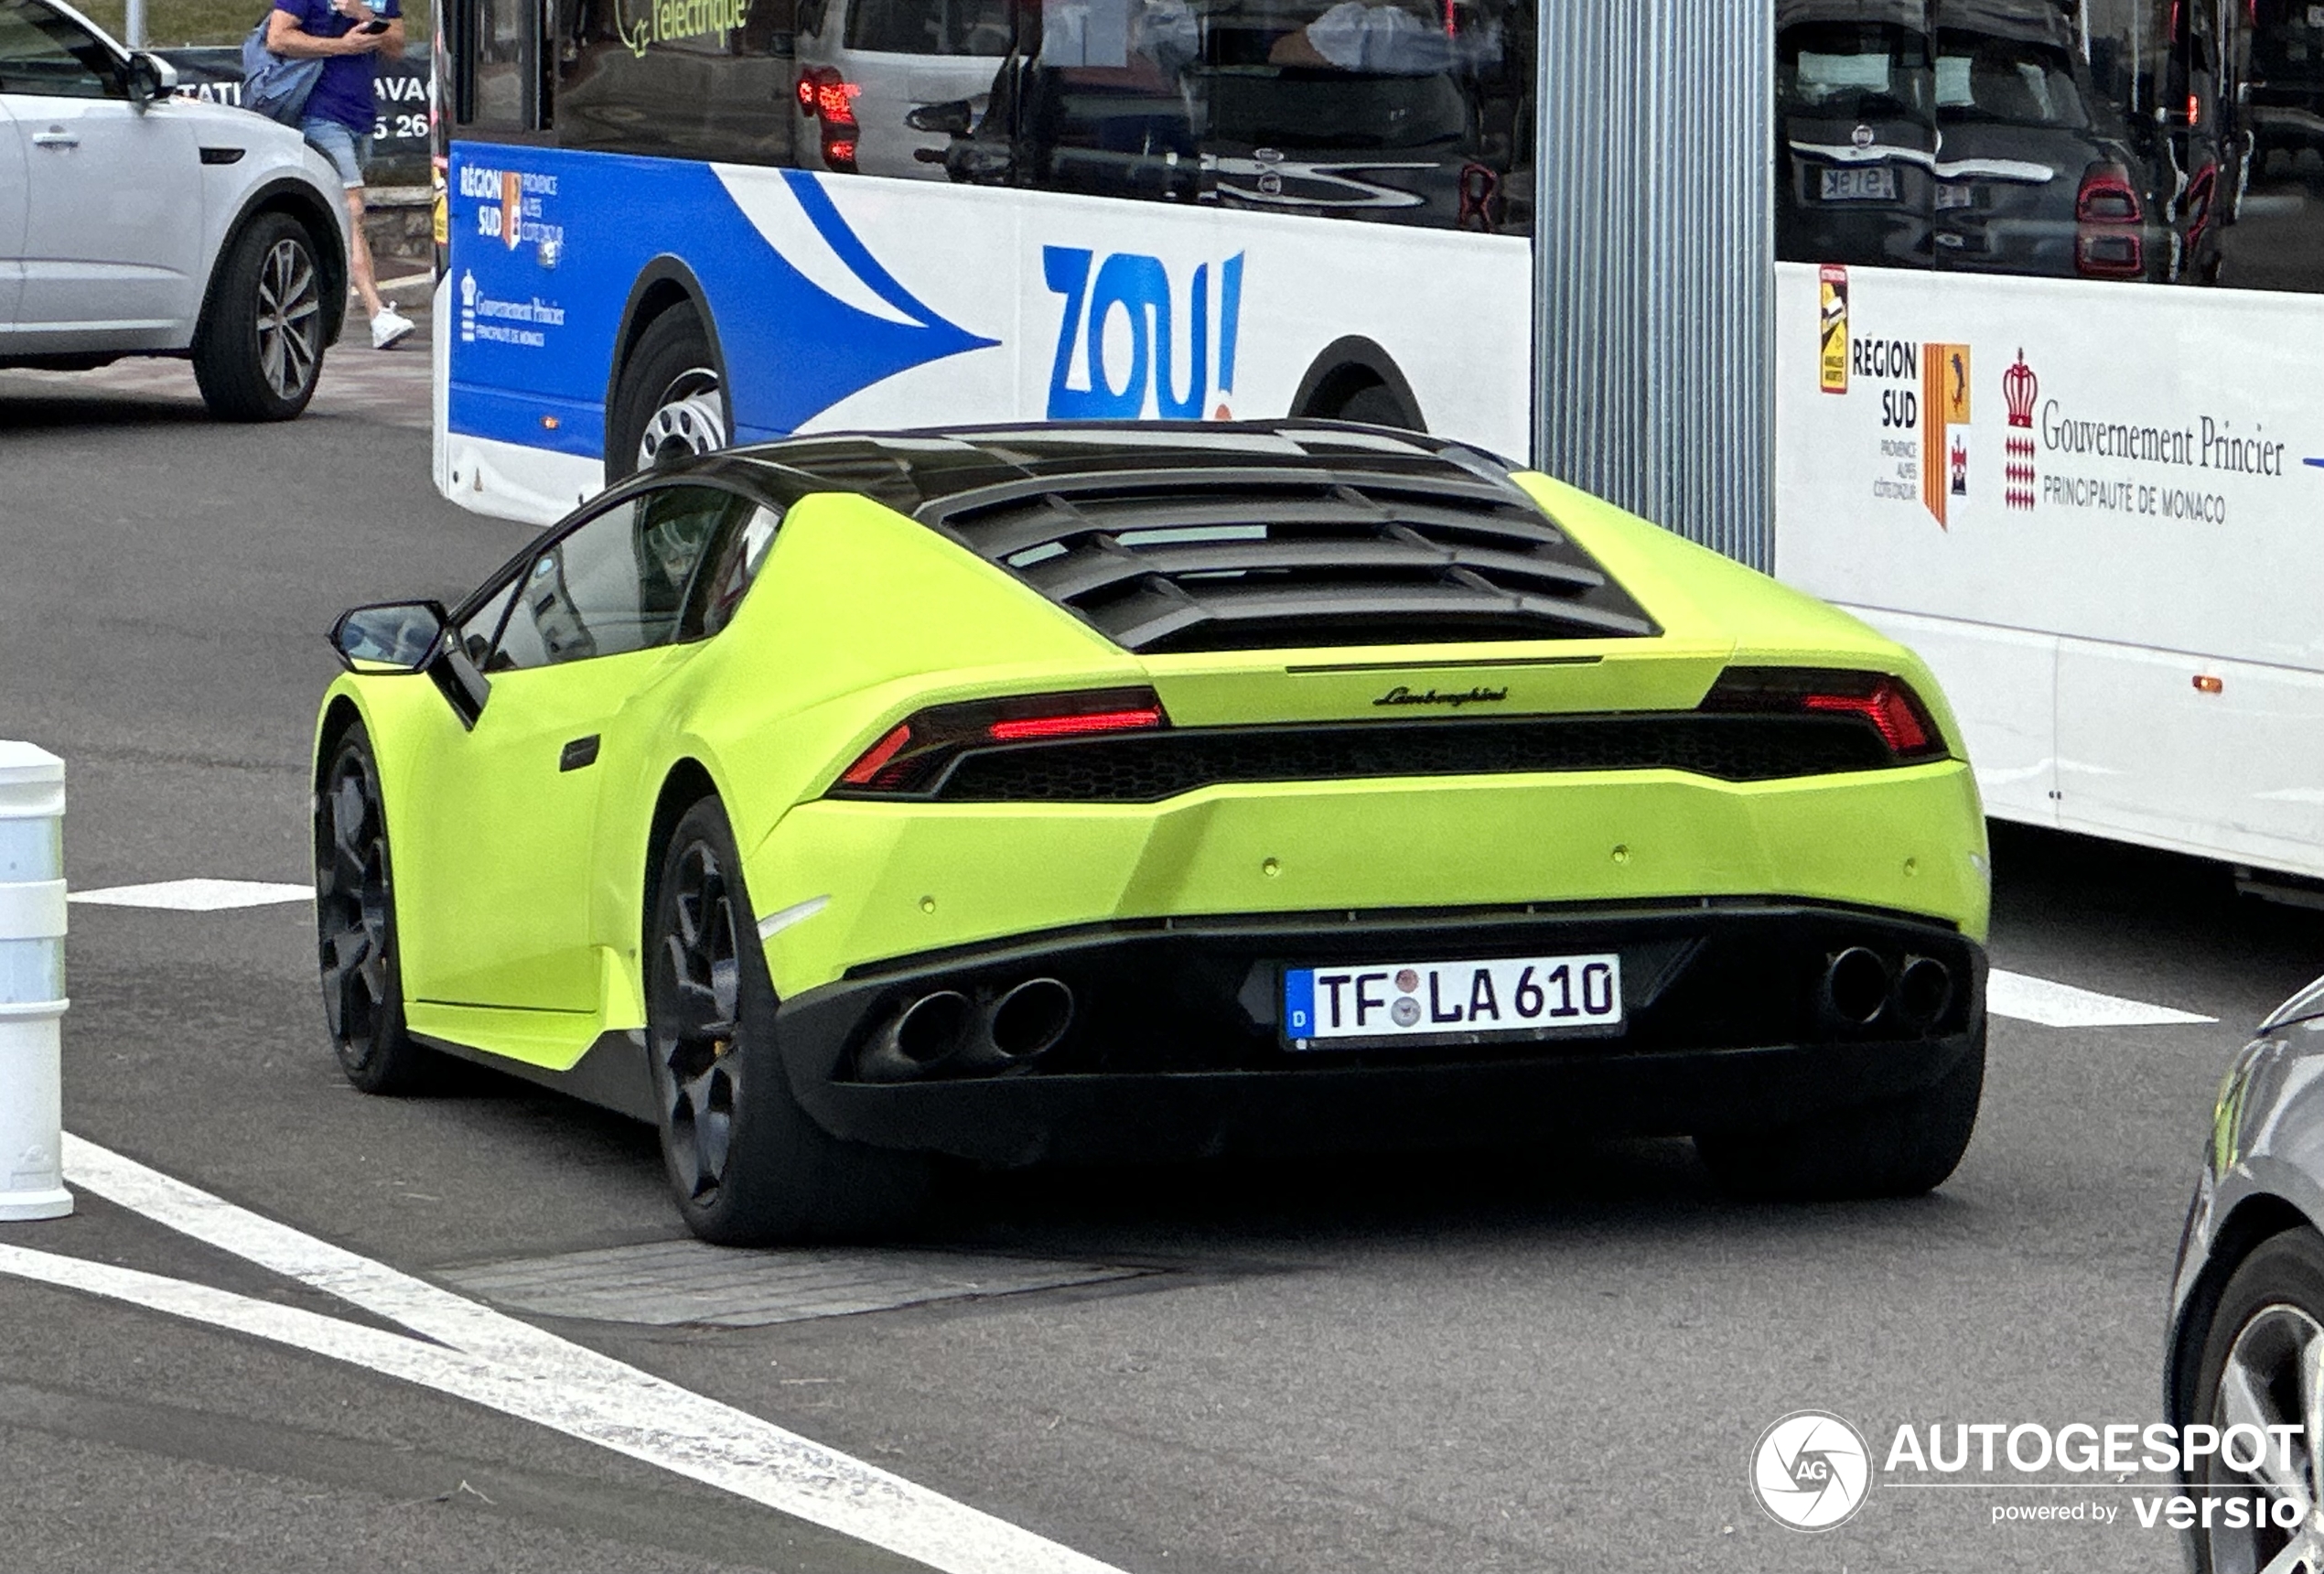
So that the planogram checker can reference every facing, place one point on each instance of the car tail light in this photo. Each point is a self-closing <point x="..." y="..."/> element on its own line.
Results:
<point x="1885" y="703"/>
<point x="831" y="98"/>
<point x="911" y="759"/>
<point x="2107" y="211"/>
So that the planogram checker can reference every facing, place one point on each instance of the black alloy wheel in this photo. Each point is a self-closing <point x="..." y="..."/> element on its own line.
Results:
<point x="697" y="999"/>
<point x="355" y="925"/>
<point x="747" y="1165"/>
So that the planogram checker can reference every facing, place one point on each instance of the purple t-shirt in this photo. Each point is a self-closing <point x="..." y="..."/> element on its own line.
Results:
<point x="343" y="93"/>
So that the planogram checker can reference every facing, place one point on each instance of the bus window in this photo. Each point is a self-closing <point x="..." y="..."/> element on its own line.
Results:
<point x="503" y="81"/>
<point x="717" y="86"/>
<point x="2011" y="136"/>
<point x="1408" y="112"/>
<point x="2272" y="96"/>
<point x="870" y="70"/>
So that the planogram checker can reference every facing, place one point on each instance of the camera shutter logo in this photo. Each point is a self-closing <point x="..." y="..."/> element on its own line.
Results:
<point x="1811" y="1471"/>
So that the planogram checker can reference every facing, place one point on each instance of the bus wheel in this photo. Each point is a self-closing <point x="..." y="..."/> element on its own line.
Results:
<point x="669" y="403"/>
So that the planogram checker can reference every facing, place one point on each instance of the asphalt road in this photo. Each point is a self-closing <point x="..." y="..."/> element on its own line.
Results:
<point x="1454" y="1363"/>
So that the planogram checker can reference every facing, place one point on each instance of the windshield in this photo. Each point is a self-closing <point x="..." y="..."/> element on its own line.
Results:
<point x="2006" y="81"/>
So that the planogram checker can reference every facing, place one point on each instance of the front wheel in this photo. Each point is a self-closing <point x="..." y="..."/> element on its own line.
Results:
<point x="747" y="1165"/>
<point x="355" y="923"/>
<point x="1898" y="1147"/>
<point x="259" y="349"/>
<point x="2261" y="1369"/>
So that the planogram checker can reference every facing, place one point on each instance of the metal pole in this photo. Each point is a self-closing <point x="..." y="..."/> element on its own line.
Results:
<point x="32" y="982"/>
<point x="133" y="25"/>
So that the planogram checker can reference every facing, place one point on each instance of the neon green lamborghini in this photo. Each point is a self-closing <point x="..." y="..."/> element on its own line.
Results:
<point x="849" y="804"/>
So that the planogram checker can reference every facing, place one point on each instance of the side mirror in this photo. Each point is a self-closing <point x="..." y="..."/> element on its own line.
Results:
<point x="952" y="119"/>
<point x="150" y="77"/>
<point x="413" y="637"/>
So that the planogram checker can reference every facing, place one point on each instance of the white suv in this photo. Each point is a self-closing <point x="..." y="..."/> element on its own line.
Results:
<point x="133" y="223"/>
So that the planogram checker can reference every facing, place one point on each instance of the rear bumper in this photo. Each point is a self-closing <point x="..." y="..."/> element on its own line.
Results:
<point x="1175" y="1051"/>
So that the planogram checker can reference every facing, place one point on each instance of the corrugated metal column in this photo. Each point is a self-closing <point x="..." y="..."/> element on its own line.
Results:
<point x="1653" y="262"/>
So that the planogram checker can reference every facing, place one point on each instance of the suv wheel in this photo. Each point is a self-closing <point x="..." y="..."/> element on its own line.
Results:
<point x="260" y="347"/>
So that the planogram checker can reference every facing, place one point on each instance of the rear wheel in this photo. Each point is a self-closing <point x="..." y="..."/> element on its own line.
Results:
<point x="260" y="347"/>
<point x="747" y="1165"/>
<point x="668" y="403"/>
<point x="355" y="923"/>
<point x="1898" y="1147"/>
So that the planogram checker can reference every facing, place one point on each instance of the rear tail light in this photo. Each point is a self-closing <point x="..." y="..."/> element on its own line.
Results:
<point x="912" y="758"/>
<point x="2107" y="211"/>
<point x="1886" y="703"/>
<point x="830" y="99"/>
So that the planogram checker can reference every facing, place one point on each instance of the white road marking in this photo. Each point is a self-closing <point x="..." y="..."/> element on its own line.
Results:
<point x="494" y="1360"/>
<point x="196" y="895"/>
<point x="2053" y="1005"/>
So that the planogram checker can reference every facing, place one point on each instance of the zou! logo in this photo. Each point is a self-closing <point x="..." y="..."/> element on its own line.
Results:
<point x="1174" y="349"/>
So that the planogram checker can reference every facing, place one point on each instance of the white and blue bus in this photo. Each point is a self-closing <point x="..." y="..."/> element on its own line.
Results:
<point x="664" y="230"/>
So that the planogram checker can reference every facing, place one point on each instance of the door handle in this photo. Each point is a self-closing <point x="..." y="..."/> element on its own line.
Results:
<point x="56" y="136"/>
<point x="580" y="752"/>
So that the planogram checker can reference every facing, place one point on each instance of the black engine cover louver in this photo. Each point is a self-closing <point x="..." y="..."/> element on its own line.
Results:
<point x="1147" y="767"/>
<point x="1293" y="554"/>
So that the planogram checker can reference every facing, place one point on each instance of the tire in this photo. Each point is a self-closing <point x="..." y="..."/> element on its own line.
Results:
<point x="1899" y="1148"/>
<point x="259" y="349"/>
<point x="747" y="1165"/>
<point x="668" y="402"/>
<point x="1375" y="405"/>
<point x="355" y="928"/>
<point x="2269" y="1311"/>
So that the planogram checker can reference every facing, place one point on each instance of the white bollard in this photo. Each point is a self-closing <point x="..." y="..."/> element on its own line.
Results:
<point x="32" y="982"/>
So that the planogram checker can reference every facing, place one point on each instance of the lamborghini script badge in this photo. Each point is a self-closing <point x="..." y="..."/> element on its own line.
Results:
<point x="1400" y="694"/>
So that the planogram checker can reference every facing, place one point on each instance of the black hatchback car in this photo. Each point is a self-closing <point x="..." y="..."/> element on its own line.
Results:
<point x="1958" y="133"/>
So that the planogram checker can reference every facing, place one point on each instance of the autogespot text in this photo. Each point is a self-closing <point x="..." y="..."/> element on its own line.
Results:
<point x="1999" y="1448"/>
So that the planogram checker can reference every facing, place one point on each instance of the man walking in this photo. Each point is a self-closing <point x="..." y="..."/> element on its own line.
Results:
<point x="345" y="34"/>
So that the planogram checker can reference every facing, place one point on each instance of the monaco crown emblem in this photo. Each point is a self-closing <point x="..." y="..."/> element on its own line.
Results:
<point x="2019" y="389"/>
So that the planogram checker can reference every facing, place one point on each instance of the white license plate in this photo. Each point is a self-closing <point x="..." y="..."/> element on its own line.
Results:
<point x="1517" y="997"/>
<point x="1875" y="184"/>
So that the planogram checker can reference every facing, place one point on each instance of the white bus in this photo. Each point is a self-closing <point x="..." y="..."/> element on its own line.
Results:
<point x="2050" y="392"/>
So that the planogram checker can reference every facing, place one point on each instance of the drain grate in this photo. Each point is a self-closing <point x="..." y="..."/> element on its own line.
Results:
<point x="666" y="1283"/>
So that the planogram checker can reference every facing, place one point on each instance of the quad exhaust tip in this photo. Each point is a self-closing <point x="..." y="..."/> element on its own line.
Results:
<point x="1859" y="987"/>
<point x="922" y="1037"/>
<point x="1924" y="991"/>
<point x="946" y="1031"/>
<point x="1856" y="984"/>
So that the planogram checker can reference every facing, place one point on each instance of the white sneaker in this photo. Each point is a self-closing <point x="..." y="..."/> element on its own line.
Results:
<point x="389" y="328"/>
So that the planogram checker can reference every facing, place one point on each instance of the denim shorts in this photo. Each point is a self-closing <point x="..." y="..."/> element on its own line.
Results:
<point x="349" y="150"/>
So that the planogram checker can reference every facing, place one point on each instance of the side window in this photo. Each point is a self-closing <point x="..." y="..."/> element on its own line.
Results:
<point x="503" y="88"/>
<point x="731" y="570"/>
<point x="615" y="583"/>
<point x="46" y="54"/>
